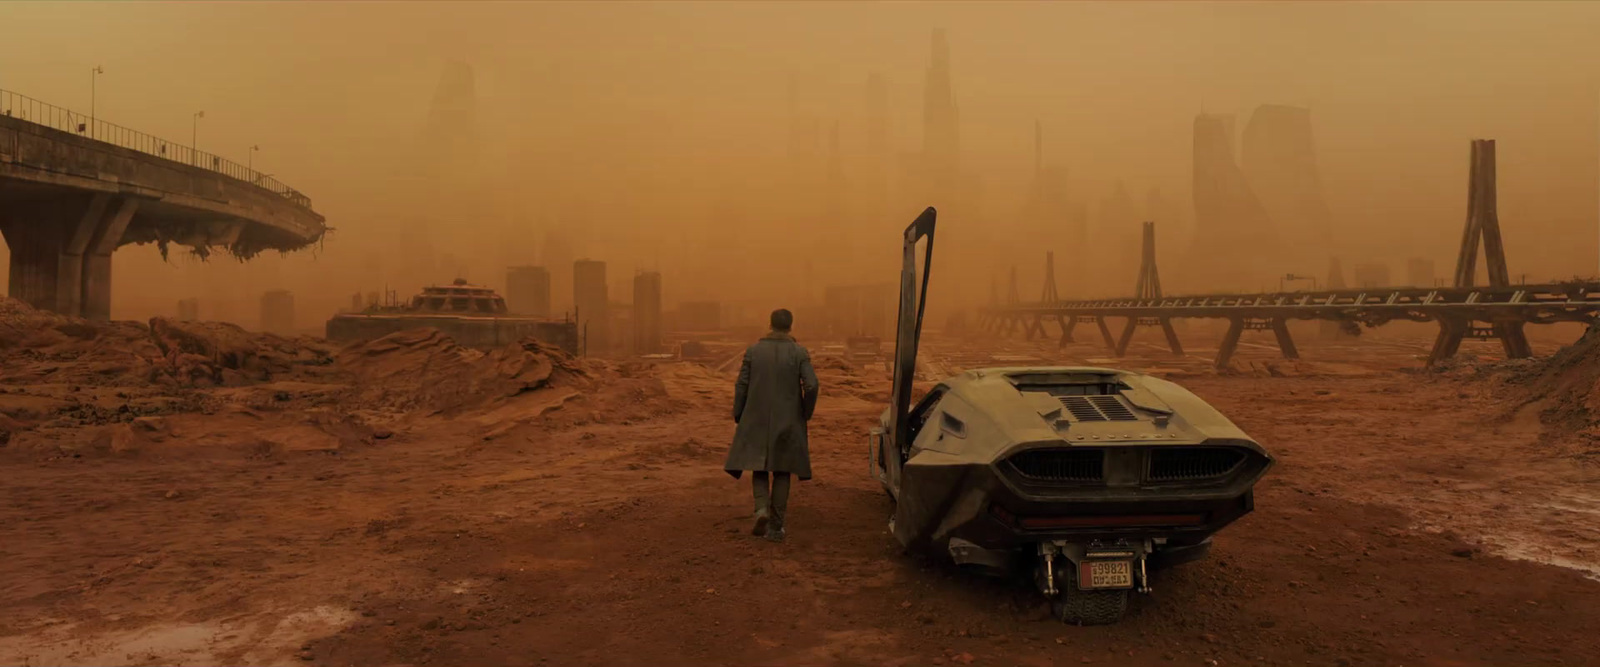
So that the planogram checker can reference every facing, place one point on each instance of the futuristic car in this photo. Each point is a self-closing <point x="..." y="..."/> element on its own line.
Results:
<point x="1091" y="477"/>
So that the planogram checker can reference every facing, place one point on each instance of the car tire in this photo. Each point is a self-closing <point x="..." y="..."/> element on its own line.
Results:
<point x="1077" y="607"/>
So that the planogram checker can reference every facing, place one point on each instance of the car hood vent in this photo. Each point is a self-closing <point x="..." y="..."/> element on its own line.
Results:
<point x="1103" y="408"/>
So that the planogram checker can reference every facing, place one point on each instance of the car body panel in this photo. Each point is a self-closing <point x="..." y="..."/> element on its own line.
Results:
<point x="996" y="460"/>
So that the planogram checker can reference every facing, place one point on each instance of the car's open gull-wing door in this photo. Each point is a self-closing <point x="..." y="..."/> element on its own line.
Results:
<point x="913" y="303"/>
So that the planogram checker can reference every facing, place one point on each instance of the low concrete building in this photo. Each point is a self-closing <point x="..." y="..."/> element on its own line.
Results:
<point x="859" y="310"/>
<point x="700" y="316"/>
<point x="277" y="312"/>
<point x="646" y="320"/>
<point x="1419" y="272"/>
<point x="1372" y="274"/>
<point x="528" y="290"/>
<point x="590" y="296"/>
<point x="472" y="315"/>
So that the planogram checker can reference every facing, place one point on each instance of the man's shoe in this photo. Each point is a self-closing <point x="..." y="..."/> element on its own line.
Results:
<point x="763" y="517"/>
<point x="775" y="531"/>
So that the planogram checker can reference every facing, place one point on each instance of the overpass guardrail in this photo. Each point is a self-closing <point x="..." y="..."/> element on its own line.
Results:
<point x="22" y="107"/>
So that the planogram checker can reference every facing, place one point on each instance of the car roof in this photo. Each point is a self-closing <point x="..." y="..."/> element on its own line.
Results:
<point x="1019" y="401"/>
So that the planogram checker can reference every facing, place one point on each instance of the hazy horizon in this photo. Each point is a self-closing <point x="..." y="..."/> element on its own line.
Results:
<point x="662" y="135"/>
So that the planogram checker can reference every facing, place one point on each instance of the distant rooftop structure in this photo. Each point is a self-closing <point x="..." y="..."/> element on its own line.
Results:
<point x="459" y="297"/>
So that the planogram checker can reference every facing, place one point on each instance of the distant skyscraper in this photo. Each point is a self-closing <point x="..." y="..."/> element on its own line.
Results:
<point x="877" y="115"/>
<point x="1235" y="243"/>
<point x="557" y="253"/>
<point x="1118" y="235"/>
<point x="528" y="290"/>
<point x="593" y="302"/>
<point x="1048" y="206"/>
<point x="450" y="137"/>
<point x="941" y="139"/>
<point x="1330" y="328"/>
<point x="277" y="312"/>
<point x="1279" y="158"/>
<point x="1419" y="272"/>
<point x="647" y="313"/>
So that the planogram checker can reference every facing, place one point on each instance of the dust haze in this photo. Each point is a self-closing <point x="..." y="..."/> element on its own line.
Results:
<point x="757" y="153"/>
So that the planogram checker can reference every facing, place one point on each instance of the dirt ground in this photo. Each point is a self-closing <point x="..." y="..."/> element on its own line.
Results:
<point x="1414" y="518"/>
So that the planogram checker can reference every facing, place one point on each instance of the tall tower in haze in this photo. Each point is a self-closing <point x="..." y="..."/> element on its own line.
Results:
<point x="1279" y="158"/>
<point x="835" y="184"/>
<point x="941" y="139"/>
<point x="877" y="113"/>
<point x="1234" y="242"/>
<point x="872" y="182"/>
<point x="450" y="134"/>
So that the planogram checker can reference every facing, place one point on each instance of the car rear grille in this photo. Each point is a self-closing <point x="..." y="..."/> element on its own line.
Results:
<point x="1097" y="408"/>
<point x="1061" y="465"/>
<point x="1192" y="463"/>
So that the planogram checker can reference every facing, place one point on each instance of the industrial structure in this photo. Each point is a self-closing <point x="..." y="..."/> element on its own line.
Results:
<point x="592" y="302"/>
<point x="74" y="189"/>
<point x="472" y="315"/>
<point x="277" y="312"/>
<point x="646" y="320"/>
<point x="1497" y="311"/>
<point x="859" y="310"/>
<point x="699" y="316"/>
<point x="528" y="290"/>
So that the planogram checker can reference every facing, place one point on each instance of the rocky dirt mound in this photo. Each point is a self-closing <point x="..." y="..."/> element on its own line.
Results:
<point x="39" y="347"/>
<point x="1567" y="386"/>
<point x="223" y="354"/>
<point x="423" y="369"/>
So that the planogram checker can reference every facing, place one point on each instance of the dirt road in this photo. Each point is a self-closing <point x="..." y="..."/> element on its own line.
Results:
<point x="607" y="534"/>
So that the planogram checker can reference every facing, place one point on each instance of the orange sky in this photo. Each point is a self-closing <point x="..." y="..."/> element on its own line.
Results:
<point x="654" y="134"/>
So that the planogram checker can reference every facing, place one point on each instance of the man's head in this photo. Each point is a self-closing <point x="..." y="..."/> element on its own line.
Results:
<point x="782" y="319"/>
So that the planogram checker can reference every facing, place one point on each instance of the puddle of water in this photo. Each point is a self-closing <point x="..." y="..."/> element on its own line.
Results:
<point x="1519" y="547"/>
<point x="265" y="641"/>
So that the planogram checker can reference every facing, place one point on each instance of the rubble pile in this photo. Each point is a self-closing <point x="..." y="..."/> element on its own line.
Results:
<point x="423" y="369"/>
<point x="75" y="385"/>
<point x="1567" y="385"/>
<point x="40" y="347"/>
<point x="223" y="354"/>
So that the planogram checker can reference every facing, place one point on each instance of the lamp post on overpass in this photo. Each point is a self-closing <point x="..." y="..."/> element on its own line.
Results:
<point x="94" y="80"/>
<point x="1290" y="277"/>
<point x="194" y="137"/>
<point x="250" y="161"/>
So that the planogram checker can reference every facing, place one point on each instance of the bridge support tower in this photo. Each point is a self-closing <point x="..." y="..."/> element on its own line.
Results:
<point x="1482" y="226"/>
<point x="1148" y="287"/>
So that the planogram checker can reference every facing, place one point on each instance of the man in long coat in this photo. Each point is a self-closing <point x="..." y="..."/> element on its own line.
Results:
<point x="773" y="400"/>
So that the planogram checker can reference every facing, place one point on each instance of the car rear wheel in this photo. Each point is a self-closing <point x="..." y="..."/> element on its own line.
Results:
<point x="1078" y="607"/>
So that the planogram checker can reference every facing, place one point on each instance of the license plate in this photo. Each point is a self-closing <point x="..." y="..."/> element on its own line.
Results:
<point x="1099" y="574"/>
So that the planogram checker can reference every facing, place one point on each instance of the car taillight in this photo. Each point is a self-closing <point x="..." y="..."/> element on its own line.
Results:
<point x="1097" y="521"/>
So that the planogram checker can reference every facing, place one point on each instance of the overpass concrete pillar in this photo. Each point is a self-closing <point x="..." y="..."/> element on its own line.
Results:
<point x="69" y="268"/>
<point x="61" y="253"/>
<point x="96" y="273"/>
<point x="35" y="258"/>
